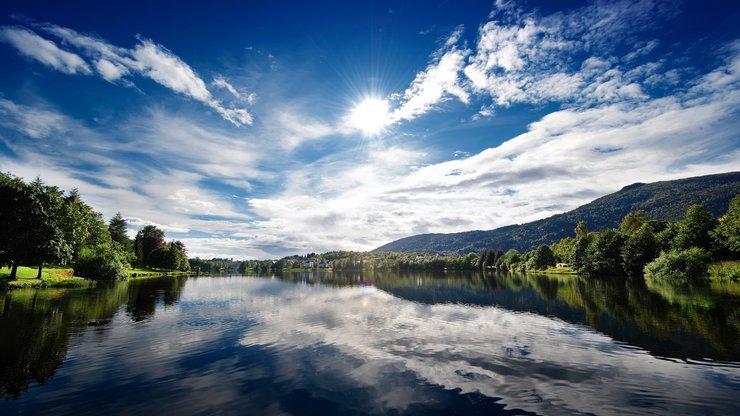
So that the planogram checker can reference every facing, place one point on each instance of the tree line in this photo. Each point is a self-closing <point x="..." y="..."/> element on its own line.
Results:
<point x="661" y="250"/>
<point x="668" y="250"/>
<point x="41" y="224"/>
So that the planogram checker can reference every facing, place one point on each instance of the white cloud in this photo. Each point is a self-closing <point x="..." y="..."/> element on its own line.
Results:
<point x="114" y="64"/>
<point x="292" y="127"/>
<point x="109" y="71"/>
<point x="564" y="57"/>
<point x="221" y="82"/>
<point x="43" y="50"/>
<point x="436" y="83"/>
<point x="33" y="122"/>
<point x="528" y="58"/>
<point x="161" y="65"/>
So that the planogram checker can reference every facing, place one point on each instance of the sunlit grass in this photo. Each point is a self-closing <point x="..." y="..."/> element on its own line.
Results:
<point x="148" y="272"/>
<point x="51" y="276"/>
<point x="725" y="270"/>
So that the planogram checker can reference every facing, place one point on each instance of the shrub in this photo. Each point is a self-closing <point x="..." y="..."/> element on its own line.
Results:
<point x="679" y="266"/>
<point x="100" y="262"/>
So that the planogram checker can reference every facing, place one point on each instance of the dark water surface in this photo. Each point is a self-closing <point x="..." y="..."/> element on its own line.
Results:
<point x="371" y="344"/>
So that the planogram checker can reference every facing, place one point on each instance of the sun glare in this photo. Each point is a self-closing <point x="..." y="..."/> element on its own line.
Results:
<point x="370" y="115"/>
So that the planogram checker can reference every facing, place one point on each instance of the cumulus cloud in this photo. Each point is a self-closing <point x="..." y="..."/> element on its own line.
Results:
<point x="115" y="64"/>
<point x="525" y="57"/>
<point x="440" y="80"/>
<point x="43" y="50"/>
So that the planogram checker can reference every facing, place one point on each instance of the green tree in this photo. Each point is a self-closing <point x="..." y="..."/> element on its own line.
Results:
<point x="117" y="228"/>
<point x="604" y="254"/>
<point x="679" y="266"/>
<point x="694" y="230"/>
<point x="509" y="261"/>
<point x="15" y="222"/>
<point x="101" y="262"/>
<point x="541" y="258"/>
<point x="563" y="249"/>
<point x="581" y="229"/>
<point x="75" y="221"/>
<point x="47" y="213"/>
<point x="633" y="222"/>
<point x="97" y="230"/>
<point x="639" y="249"/>
<point x="665" y="237"/>
<point x="149" y="239"/>
<point x="580" y="252"/>
<point x="183" y="263"/>
<point x="727" y="233"/>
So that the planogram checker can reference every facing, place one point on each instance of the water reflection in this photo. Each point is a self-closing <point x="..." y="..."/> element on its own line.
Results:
<point x="371" y="343"/>
<point x="36" y="325"/>
<point x="678" y="322"/>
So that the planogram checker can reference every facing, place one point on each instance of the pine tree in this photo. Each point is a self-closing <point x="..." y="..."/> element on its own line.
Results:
<point x="117" y="228"/>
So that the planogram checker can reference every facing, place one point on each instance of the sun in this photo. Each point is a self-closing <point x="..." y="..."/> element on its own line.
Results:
<point x="370" y="116"/>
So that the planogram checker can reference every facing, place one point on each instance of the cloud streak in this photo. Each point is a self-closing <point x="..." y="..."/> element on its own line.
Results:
<point x="43" y="50"/>
<point x="116" y="64"/>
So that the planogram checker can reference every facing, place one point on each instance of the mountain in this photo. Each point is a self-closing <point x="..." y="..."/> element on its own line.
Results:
<point x="662" y="200"/>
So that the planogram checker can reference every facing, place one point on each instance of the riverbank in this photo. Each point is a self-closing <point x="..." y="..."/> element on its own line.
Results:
<point x="58" y="276"/>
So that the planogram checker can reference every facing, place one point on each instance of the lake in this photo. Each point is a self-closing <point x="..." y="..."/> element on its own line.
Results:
<point x="371" y="343"/>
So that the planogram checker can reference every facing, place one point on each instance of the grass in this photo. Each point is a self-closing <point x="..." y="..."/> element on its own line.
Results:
<point x="725" y="271"/>
<point x="60" y="276"/>
<point x="51" y="276"/>
<point x="555" y="270"/>
<point x="147" y="272"/>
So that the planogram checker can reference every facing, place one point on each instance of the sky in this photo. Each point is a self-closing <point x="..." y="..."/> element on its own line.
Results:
<point x="267" y="128"/>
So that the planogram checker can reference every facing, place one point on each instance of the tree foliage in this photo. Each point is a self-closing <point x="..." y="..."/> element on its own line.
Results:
<point x="679" y="266"/>
<point x="147" y="241"/>
<point x="694" y="230"/>
<point x="727" y="234"/>
<point x="639" y="249"/>
<point x="33" y="229"/>
<point x="633" y="222"/>
<point x="541" y="258"/>
<point x="101" y="262"/>
<point x="603" y="255"/>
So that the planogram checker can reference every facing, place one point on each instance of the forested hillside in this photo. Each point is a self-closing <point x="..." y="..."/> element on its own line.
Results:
<point x="661" y="200"/>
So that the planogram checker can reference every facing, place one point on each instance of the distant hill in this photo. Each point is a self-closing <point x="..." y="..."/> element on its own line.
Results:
<point x="662" y="200"/>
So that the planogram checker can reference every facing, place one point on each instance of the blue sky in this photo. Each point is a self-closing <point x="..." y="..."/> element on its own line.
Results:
<point x="260" y="129"/>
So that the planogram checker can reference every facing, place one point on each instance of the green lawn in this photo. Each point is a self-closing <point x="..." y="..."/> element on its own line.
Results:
<point x="147" y="272"/>
<point x="51" y="276"/>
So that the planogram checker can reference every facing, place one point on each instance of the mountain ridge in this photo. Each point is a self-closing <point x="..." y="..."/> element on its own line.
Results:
<point x="664" y="200"/>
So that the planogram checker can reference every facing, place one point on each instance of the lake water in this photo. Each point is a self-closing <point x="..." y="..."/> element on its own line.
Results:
<point x="355" y="343"/>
